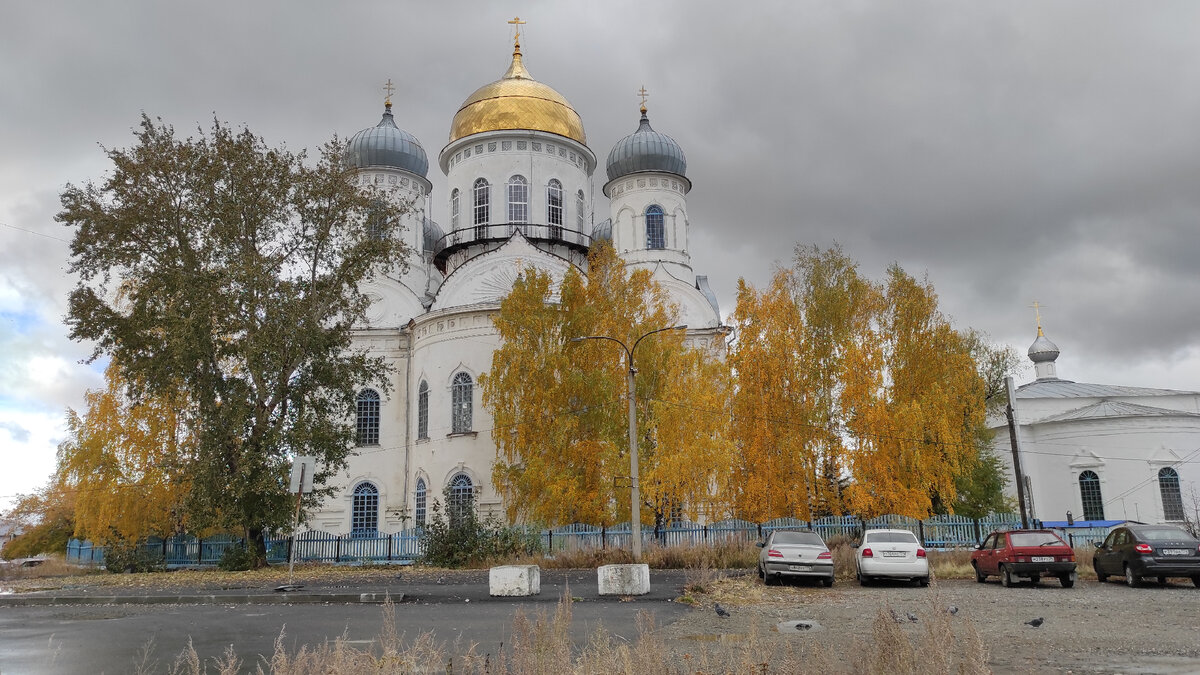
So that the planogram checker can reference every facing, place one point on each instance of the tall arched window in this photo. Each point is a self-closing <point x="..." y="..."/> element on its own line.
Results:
<point x="462" y="497"/>
<point x="1168" y="487"/>
<point x="656" y="235"/>
<point x="518" y="200"/>
<point x="482" y="213"/>
<point x="554" y="207"/>
<point x="423" y="410"/>
<point x="367" y="418"/>
<point x="1089" y="492"/>
<point x="461" y="391"/>
<point x="580" y="207"/>
<point x="419" y="516"/>
<point x="364" y="511"/>
<point x="454" y="209"/>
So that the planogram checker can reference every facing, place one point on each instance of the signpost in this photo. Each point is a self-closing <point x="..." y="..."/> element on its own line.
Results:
<point x="303" y="469"/>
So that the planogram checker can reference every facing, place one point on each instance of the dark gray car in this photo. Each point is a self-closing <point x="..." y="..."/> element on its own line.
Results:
<point x="1158" y="551"/>
<point x="791" y="553"/>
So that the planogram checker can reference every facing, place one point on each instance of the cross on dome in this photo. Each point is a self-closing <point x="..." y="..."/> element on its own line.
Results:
<point x="642" y="92"/>
<point x="387" y="87"/>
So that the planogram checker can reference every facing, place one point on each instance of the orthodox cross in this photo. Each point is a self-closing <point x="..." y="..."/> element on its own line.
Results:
<point x="644" y="95"/>
<point x="390" y="90"/>
<point x="1037" y="310"/>
<point x="517" y="23"/>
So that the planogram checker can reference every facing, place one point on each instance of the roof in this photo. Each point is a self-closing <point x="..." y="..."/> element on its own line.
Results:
<point x="1110" y="409"/>
<point x="1055" y="388"/>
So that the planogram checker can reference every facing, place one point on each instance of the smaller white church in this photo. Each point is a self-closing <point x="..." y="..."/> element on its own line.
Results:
<point x="1102" y="452"/>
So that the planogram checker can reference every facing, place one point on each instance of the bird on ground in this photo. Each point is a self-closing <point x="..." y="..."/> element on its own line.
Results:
<point x="1035" y="622"/>
<point x="720" y="610"/>
<point x="441" y="580"/>
<point x="895" y="616"/>
<point x="952" y="609"/>
<point x="912" y="618"/>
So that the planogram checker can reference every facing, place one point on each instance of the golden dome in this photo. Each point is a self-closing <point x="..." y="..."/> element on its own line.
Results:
<point x="517" y="101"/>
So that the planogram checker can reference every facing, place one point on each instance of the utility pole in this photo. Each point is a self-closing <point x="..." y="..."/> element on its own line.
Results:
<point x="1016" y="451"/>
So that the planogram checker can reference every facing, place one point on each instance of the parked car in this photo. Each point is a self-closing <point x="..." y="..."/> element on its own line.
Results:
<point x="891" y="554"/>
<point x="1137" y="551"/>
<point x="795" y="553"/>
<point x="1031" y="554"/>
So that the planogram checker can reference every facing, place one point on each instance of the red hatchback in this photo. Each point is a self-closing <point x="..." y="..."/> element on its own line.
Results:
<point x="1024" y="553"/>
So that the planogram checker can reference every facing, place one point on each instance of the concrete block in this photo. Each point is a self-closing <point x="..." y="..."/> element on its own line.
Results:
<point x="515" y="580"/>
<point x="623" y="579"/>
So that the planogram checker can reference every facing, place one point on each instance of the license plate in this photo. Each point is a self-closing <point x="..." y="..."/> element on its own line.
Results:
<point x="800" y="568"/>
<point x="893" y="554"/>
<point x="1042" y="558"/>
<point x="1177" y="551"/>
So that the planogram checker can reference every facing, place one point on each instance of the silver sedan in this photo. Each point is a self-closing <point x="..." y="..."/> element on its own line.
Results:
<point x="790" y="553"/>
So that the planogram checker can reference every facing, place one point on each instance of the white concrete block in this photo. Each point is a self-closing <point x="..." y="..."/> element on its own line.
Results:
<point x="623" y="579"/>
<point x="515" y="580"/>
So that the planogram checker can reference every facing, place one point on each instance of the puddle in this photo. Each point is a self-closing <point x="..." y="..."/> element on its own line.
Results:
<point x="798" y="626"/>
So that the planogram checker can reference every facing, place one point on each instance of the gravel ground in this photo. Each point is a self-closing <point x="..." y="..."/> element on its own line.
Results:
<point x="1091" y="628"/>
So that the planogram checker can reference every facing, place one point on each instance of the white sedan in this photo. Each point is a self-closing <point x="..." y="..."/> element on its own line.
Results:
<point x="891" y="554"/>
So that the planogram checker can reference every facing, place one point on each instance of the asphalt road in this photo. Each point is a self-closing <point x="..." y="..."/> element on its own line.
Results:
<point x="108" y="638"/>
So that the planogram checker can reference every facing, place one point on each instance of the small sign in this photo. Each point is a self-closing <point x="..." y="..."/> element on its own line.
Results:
<point x="303" y="469"/>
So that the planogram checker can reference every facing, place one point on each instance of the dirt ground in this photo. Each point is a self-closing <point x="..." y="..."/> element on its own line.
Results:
<point x="1091" y="628"/>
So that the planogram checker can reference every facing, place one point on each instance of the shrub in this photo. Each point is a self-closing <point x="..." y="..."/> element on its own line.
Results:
<point x="239" y="558"/>
<point x="454" y="536"/>
<point x="124" y="556"/>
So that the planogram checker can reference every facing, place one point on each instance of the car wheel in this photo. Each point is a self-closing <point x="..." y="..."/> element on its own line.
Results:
<point x="980" y="577"/>
<point x="827" y="582"/>
<point x="1006" y="579"/>
<point x="1067" y="581"/>
<point x="1196" y="581"/>
<point x="1035" y="578"/>
<point x="1100" y="576"/>
<point x="1162" y="581"/>
<point x="864" y="580"/>
<point x="761" y="575"/>
<point x="1130" y="580"/>
<point x="923" y="582"/>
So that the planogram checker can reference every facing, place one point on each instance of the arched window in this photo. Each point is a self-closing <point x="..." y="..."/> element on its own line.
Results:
<point x="1089" y="491"/>
<point x="518" y="200"/>
<point x="454" y="209"/>
<point x="367" y="418"/>
<point x="462" y="497"/>
<point x="580" y="207"/>
<point x="482" y="213"/>
<point x="554" y="208"/>
<point x="419" y="516"/>
<point x="656" y="236"/>
<point x="423" y="410"/>
<point x="461" y="390"/>
<point x="1168" y="486"/>
<point x="377" y="225"/>
<point x="364" y="511"/>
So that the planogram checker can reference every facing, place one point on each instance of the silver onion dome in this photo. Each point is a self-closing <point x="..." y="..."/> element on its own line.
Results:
<point x="1042" y="349"/>
<point x="646" y="150"/>
<point x="387" y="145"/>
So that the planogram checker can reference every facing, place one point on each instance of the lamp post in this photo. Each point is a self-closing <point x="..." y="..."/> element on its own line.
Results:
<point x="635" y="513"/>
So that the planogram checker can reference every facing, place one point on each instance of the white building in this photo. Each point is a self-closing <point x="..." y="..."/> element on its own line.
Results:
<point x="520" y="192"/>
<point x="1103" y="452"/>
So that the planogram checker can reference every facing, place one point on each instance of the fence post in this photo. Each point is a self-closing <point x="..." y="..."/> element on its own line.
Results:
<point x="706" y="533"/>
<point x="1071" y="538"/>
<point x="978" y="537"/>
<point x="550" y="541"/>
<point x="603" y="537"/>
<point x="199" y="550"/>
<point x="165" y="550"/>
<point x="338" y="554"/>
<point x="921" y="531"/>
<point x="390" y="548"/>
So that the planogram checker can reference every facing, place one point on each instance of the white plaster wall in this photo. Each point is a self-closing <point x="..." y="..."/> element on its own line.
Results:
<point x="629" y="197"/>
<point x="413" y="192"/>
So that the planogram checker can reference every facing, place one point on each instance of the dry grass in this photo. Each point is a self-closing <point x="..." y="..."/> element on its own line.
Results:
<point x="53" y="566"/>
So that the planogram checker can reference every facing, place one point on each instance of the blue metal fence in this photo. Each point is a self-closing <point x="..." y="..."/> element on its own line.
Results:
<point x="405" y="546"/>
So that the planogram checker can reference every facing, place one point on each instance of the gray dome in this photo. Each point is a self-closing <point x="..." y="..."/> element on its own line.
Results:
<point x="602" y="230"/>
<point x="646" y="150"/>
<point x="1042" y="349"/>
<point x="385" y="144"/>
<point x="432" y="233"/>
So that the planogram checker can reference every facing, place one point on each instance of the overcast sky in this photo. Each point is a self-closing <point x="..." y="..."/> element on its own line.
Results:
<point x="1011" y="151"/>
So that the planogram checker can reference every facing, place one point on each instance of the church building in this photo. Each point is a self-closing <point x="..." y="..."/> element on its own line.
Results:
<point x="520" y="192"/>
<point x="1102" y="452"/>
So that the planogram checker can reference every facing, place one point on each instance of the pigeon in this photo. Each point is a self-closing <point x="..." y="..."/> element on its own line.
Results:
<point x="912" y="618"/>
<point x="952" y="609"/>
<point x="441" y="580"/>
<point x="720" y="610"/>
<point x="1035" y="622"/>
<point x="895" y="616"/>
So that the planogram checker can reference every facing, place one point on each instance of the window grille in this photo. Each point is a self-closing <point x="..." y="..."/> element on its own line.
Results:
<point x="580" y="216"/>
<point x="1168" y="486"/>
<point x="461" y="399"/>
<point x="462" y="497"/>
<point x="419" y="516"/>
<point x="483" y="208"/>
<point x="656" y="236"/>
<point x="454" y="209"/>
<point x="364" y="511"/>
<point x="1089" y="491"/>
<point x="367" y="418"/>
<point x="554" y="208"/>
<point x="518" y="200"/>
<point x="423" y="410"/>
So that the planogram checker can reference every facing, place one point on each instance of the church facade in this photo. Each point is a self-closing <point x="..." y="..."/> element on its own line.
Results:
<point x="520" y="188"/>
<point x="1102" y="452"/>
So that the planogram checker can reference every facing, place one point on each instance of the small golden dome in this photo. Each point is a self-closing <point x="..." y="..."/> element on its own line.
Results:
<point x="517" y="101"/>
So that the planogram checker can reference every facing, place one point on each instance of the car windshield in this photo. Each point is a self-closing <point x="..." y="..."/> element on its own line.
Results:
<point x="891" y="538"/>
<point x="1035" y="539"/>
<point x="808" y="538"/>
<point x="1163" y="534"/>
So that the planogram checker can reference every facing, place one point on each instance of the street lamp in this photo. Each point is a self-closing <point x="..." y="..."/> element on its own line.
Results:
<point x="635" y="496"/>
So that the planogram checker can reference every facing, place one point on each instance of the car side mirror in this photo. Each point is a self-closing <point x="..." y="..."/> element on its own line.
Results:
<point x="979" y="547"/>
<point x="760" y="544"/>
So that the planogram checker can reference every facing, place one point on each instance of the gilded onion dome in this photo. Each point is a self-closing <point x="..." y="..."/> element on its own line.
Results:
<point x="387" y="145"/>
<point x="517" y="101"/>
<point x="646" y="150"/>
